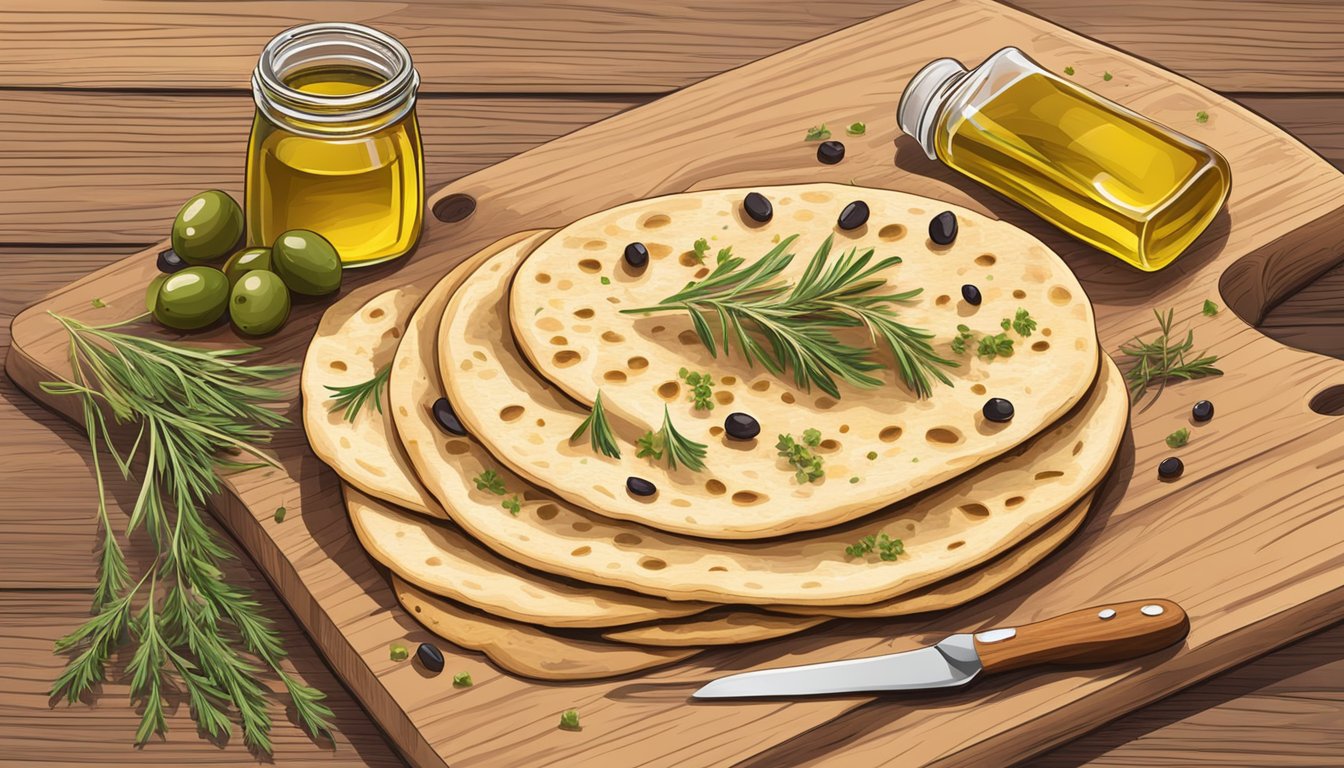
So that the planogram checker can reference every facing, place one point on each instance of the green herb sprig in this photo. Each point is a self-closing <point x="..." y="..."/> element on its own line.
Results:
<point x="192" y="408"/>
<point x="354" y="397"/>
<point x="489" y="481"/>
<point x="888" y="549"/>
<point x="997" y="345"/>
<point x="599" y="432"/>
<point x="807" y="465"/>
<point x="670" y="445"/>
<point x="701" y="386"/>
<point x="1164" y="359"/>
<point x="818" y="133"/>
<point x="797" y="321"/>
<point x="1178" y="438"/>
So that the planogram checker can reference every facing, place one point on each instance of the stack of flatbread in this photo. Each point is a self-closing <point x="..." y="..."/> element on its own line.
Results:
<point x="477" y="482"/>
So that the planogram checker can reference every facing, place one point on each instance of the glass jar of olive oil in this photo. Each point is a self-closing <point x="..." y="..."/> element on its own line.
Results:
<point x="335" y="146"/>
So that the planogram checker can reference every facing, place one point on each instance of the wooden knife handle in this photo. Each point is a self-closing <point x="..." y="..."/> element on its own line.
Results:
<point x="1091" y="636"/>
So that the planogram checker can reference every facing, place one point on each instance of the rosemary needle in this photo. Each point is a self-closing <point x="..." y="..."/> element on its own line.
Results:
<point x="353" y="397"/>
<point x="1164" y="359"/>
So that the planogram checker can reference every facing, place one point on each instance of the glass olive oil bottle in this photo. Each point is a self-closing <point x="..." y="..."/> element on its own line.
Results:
<point x="335" y="145"/>
<point x="1100" y="172"/>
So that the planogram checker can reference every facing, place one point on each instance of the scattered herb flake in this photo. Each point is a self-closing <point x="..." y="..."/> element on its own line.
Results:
<point x="1201" y="116"/>
<point x="856" y="129"/>
<point x="1106" y="76"/>
<point x="649" y="445"/>
<point x="699" y="249"/>
<point x="998" y="345"/>
<point x="812" y="437"/>
<point x="702" y="388"/>
<point x="1023" y="323"/>
<point x="605" y="280"/>
<point x="513" y="504"/>
<point x="886" y="547"/>
<point x="1068" y="71"/>
<point x="462" y="680"/>
<point x="1163" y="359"/>
<point x="600" y="436"/>
<point x="668" y="443"/>
<point x="354" y="397"/>
<point x="536" y="311"/>
<point x="963" y="336"/>
<point x="98" y="304"/>
<point x="1210" y="309"/>
<point x="569" y="720"/>
<point x="807" y="466"/>
<point x="279" y="514"/>
<point x="398" y="652"/>
<point x="818" y="133"/>
<point x="489" y="480"/>
<point x="853" y="480"/>
<point x="1178" y="438"/>
<point x="872" y="455"/>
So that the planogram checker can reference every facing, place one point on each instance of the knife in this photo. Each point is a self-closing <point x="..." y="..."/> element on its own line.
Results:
<point x="1097" y="635"/>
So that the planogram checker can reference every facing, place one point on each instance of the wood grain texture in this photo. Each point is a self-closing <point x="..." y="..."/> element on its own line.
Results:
<point x="1237" y="610"/>
<point x="618" y="46"/>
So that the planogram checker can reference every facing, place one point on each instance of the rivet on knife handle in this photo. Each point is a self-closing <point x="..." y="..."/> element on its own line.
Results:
<point x="1105" y="633"/>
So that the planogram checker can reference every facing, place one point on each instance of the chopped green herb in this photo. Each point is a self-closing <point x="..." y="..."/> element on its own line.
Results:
<point x="818" y="133"/>
<point x="1164" y="359"/>
<point x="489" y="480"/>
<point x="279" y="514"/>
<point x="796" y="321"/>
<point x="998" y="345"/>
<point x="1178" y="438"/>
<point x="513" y="504"/>
<point x="1210" y="309"/>
<point x="887" y="548"/>
<point x="963" y="336"/>
<point x="600" y="436"/>
<point x="649" y="445"/>
<point x="354" y="397"/>
<point x="812" y="437"/>
<point x="915" y="460"/>
<point x="98" y="304"/>
<point x="569" y="720"/>
<point x="536" y="311"/>
<point x="853" y="480"/>
<point x="670" y="444"/>
<point x="398" y="652"/>
<point x="856" y="129"/>
<point x="702" y="388"/>
<point x="699" y="249"/>
<point x="1106" y="76"/>
<point x="872" y="455"/>
<point x="462" y="680"/>
<point x="605" y="280"/>
<point x="1201" y="116"/>
<point x="807" y="466"/>
<point x="1068" y="71"/>
<point x="1023" y="323"/>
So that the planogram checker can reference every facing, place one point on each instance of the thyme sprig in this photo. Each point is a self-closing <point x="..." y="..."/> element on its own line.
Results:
<point x="797" y="321"/>
<point x="192" y="407"/>
<point x="1164" y="359"/>
<point x="600" y="436"/>
<point x="353" y="397"/>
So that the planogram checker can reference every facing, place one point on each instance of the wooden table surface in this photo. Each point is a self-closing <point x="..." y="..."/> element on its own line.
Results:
<point x="112" y="113"/>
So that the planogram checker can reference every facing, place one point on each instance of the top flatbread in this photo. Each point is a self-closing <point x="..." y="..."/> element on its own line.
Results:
<point x="569" y="326"/>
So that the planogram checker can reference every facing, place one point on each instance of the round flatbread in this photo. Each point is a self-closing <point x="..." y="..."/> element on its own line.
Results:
<point x="732" y="628"/>
<point x="436" y="557"/>
<point x="525" y="650"/>
<point x="565" y="306"/>
<point x="949" y="530"/>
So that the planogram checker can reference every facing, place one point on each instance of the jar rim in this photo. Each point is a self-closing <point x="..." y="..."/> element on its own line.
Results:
<point x="383" y="54"/>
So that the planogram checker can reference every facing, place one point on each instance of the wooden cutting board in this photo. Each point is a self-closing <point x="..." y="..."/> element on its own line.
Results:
<point x="1248" y="541"/>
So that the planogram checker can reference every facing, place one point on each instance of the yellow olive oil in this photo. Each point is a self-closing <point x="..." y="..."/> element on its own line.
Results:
<point x="1109" y="177"/>
<point x="360" y="189"/>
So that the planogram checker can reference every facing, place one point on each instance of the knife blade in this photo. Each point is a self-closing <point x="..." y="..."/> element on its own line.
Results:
<point x="1096" y="635"/>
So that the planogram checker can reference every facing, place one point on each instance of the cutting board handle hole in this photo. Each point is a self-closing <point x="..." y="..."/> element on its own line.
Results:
<point x="1329" y="401"/>
<point x="454" y="207"/>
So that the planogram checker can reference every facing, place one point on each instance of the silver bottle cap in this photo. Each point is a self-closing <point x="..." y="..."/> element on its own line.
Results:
<point x="920" y="101"/>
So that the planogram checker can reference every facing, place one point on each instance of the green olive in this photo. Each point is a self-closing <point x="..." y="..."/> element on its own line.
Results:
<point x="207" y="228"/>
<point x="307" y="262"/>
<point x="152" y="292"/>
<point x="192" y="298"/>
<point x="245" y="261"/>
<point x="259" y="303"/>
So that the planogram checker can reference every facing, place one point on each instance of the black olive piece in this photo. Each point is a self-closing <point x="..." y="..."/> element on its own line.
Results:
<point x="1203" y="411"/>
<point x="971" y="294"/>
<point x="430" y="656"/>
<point x="830" y="152"/>
<point x="636" y="255"/>
<point x="638" y="486"/>
<point x="447" y="418"/>
<point x="998" y="410"/>
<point x="854" y="215"/>
<point x="943" y="228"/>
<point x="758" y="208"/>
<point x="1170" y="468"/>
<point x="169" y="262"/>
<point x="741" y="426"/>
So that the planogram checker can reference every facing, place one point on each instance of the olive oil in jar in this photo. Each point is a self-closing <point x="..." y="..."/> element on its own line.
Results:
<point x="1096" y="170"/>
<point x="335" y="146"/>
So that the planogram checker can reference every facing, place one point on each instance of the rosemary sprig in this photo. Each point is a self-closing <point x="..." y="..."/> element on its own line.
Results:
<point x="797" y="322"/>
<point x="600" y="436"/>
<point x="191" y="406"/>
<point x="353" y="397"/>
<point x="1163" y="359"/>
<point x="667" y="443"/>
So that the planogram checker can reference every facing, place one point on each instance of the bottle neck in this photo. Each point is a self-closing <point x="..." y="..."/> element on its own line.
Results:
<point x="371" y="81"/>
<point x="923" y="100"/>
